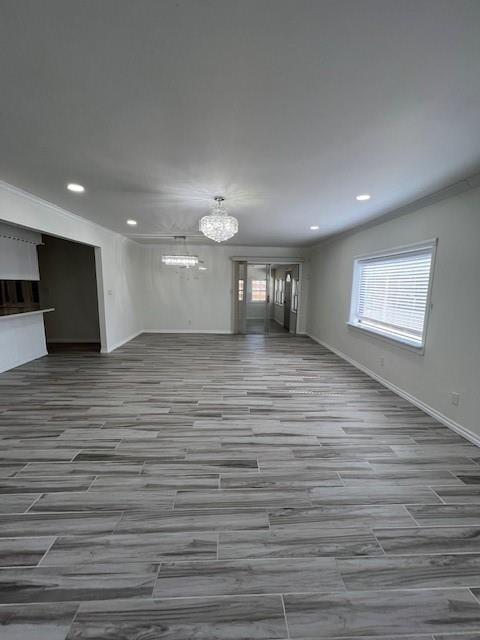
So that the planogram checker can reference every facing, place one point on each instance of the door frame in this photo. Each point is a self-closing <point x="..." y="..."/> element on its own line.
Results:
<point x="287" y="311"/>
<point x="268" y="260"/>
<point x="240" y="273"/>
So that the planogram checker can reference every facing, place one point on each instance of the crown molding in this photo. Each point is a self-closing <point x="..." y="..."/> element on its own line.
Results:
<point x="454" y="189"/>
<point x="54" y="207"/>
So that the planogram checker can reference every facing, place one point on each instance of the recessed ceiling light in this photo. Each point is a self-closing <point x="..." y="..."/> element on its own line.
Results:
<point x="132" y="223"/>
<point x="363" y="196"/>
<point x="314" y="227"/>
<point x="76" y="188"/>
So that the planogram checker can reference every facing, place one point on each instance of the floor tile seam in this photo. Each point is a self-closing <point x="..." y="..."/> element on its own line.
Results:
<point x="39" y="563"/>
<point x="39" y="497"/>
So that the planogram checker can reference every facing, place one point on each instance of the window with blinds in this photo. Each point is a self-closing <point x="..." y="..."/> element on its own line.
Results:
<point x="391" y="293"/>
<point x="279" y="291"/>
<point x="259" y="291"/>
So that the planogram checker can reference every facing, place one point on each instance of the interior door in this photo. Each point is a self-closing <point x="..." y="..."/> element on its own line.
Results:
<point x="287" y="303"/>
<point x="240" y="293"/>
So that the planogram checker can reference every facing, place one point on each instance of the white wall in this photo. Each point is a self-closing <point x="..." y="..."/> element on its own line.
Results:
<point x="192" y="300"/>
<point x="68" y="284"/>
<point x="121" y="262"/>
<point x="451" y="361"/>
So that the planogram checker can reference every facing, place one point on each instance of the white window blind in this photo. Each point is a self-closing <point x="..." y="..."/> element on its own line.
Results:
<point x="259" y="290"/>
<point x="391" y="293"/>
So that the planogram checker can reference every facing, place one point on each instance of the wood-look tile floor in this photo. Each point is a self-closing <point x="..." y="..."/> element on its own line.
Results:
<point x="230" y="488"/>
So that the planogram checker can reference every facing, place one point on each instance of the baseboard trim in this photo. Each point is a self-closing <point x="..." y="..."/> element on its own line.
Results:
<point x="448" y="422"/>
<point x="73" y="341"/>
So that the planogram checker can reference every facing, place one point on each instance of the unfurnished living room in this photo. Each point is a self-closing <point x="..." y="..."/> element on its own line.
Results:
<point x="240" y="320"/>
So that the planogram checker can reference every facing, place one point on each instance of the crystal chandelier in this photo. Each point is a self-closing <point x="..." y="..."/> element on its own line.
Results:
<point x="218" y="225"/>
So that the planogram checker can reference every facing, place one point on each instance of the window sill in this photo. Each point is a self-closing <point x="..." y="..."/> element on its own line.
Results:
<point x="403" y="343"/>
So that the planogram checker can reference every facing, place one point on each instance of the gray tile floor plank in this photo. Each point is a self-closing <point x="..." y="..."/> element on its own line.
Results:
<point x="36" y="621"/>
<point x="449" y="515"/>
<point x="240" y="498"/>
<point x="377" y="613"/>
<point x="236" y="618"/>
<point x="425" y="478"/>
<point x="40" y="484"/>
<point x="386" y="494"/>
<point x="284" y="481"/>
<point x="17" y="552"/>
<point x="429" y="540"/>
<point x="17" y="503"/>
<point x="103" y="501"/>
<point x="152" y="547"/>
<point x="342" y="516"/>
<point x="58" y="469"/>
<point x="459" y="495"/>
<point x="411" y="572"/>
<point x="297" y="542"/>
<point x="232" y="577"/>
<point x="193" y="520"/>
<point x="77" y="582"/>
<point x="56" y="524"/>
<point x="155" y="483"/>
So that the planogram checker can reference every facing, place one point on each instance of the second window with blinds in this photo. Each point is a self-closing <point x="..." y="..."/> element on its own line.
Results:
<point x="391" y="293"/>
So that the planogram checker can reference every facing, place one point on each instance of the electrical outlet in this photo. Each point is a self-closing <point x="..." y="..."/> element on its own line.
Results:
<point x="382" y="361"/>
<point x="455" y="398"/>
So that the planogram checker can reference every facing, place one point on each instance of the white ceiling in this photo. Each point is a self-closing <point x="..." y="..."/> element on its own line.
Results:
<point x="289" y="108"/>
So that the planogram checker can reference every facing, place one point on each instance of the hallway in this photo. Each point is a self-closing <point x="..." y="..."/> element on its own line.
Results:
<point x="258" y="327"/>
<point x="204" y="487"/>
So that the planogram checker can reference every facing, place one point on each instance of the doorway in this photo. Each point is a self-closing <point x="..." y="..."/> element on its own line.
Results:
<point x="266" y="298"/>
<point x="68" y="284"/>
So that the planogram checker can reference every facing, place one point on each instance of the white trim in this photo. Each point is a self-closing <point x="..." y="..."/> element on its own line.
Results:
<point x="46" y="203"/>
<point x="448" y="422"/>
<point x="393" y="251"/>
